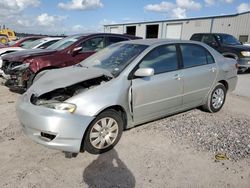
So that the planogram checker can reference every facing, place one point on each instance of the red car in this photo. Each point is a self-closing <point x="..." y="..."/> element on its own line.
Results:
<point x="24" y="66"/>
<point x="24" y="41"/>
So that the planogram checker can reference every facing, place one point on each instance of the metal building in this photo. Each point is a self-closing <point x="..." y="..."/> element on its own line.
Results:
<point x="237" y="25"/>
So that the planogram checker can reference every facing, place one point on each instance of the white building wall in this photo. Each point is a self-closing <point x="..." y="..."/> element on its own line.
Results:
<point x="234" y="25"/>
<point x="141" y="30"/>
<point x="195" y="26"/>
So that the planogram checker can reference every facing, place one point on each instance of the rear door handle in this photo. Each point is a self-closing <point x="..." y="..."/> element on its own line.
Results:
<point x="177" y="77"/>
<point x="213" y="69"/>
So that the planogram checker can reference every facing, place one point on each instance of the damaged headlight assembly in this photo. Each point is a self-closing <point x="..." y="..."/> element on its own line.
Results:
<point x="60" y="106"/>
<point x="21" y="67"/>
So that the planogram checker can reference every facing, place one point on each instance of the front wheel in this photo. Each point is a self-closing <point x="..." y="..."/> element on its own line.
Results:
<point x="216" y="99"/>
<point x="104" y="132"/>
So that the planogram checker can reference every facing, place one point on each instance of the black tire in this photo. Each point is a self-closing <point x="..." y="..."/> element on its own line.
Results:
<point x="208" y="106"/>
<point x="88" y="146"/>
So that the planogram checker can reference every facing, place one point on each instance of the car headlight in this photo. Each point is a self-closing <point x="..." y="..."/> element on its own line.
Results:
<point x="21" y="67"/>
<point x="245" y="53"/>
<point x="61" y="106"/>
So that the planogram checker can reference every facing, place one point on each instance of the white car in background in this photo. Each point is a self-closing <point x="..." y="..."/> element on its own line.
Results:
<point x="39" y="43"/>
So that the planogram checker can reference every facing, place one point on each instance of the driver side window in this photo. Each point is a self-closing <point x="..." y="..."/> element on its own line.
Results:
<point x="93" y="45"/>
<point x="162" y="59"/>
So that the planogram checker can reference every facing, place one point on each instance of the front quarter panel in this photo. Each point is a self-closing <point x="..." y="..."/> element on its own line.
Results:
<point x="97" y="99"/>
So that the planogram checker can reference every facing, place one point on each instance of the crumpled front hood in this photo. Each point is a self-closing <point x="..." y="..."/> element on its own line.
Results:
<point x="64" y="77"/>
<point x="20" y="56"/>
<point x="3" y="50"/>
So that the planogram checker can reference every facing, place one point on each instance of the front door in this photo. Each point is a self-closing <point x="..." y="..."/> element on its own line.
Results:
<point x="160" y="94"/>
<point x="89" y="47"/>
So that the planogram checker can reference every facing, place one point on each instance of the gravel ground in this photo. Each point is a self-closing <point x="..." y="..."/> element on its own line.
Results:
<point x="177" y="151"/>
<point x="223" y="133"/>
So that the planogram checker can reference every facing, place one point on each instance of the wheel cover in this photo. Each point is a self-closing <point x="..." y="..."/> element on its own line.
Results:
<point x="104" y="133"/>
<point x="218" y="98"/>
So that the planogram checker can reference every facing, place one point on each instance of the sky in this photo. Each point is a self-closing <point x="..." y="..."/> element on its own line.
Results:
<point x="81" y="16"/>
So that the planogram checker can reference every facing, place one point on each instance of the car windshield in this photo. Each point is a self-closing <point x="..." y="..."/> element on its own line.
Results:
<point x="33" y="44"/>
<point x="115" y="57"/>
<point x="228" y="40"/>
<point x="64" y="43"/>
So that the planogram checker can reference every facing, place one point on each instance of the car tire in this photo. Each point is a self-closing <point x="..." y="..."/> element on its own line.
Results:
<point x="104" y="132"/>
<point x="216" y="99"/>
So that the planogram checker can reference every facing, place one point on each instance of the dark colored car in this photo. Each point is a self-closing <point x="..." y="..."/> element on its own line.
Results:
<point x="228" y="46"/>
<point x="23" y="67"/>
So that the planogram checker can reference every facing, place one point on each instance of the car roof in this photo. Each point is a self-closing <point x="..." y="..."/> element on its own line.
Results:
<point x="51" y="38"/>
<point x="150" y="42"/>
<point x="211" y="34"/>
<point x="107" y="34"/>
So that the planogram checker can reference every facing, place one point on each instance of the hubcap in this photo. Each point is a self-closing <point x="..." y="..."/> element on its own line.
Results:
<point x="218" y="98"/>
<point x="104" y="133"/>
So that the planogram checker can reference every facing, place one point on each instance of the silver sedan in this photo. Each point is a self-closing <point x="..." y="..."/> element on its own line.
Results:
<point x="87" y="107"/>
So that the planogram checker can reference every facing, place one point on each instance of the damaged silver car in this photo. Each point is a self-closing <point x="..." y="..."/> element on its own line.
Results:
<point x="87" y="107"/>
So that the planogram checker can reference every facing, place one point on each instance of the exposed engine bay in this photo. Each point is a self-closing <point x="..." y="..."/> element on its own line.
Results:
<point x="62" y="94"/>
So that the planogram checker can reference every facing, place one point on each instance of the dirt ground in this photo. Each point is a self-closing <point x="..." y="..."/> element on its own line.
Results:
<point x="146" y="156"/>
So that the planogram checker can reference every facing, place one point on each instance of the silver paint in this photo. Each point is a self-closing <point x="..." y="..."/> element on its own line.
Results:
<point x="142" y="99"/>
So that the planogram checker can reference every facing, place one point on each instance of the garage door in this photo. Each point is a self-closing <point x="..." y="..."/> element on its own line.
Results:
<point x="174" y="31"/>
<point x="114" y="30"/>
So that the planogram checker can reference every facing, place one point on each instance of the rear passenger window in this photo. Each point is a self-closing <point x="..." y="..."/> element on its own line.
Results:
<point x="210" y="58"/>
<point x="196" y="37"/>
<point x="208" y="39"/>
<point x="161" y="59"/>
<point x="195" y="55"/>
<point x="112" y="40"/>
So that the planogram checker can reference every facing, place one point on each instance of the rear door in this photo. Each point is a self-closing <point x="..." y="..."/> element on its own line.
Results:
<point x="160" y="94"/>
<point x="199" y="73"/>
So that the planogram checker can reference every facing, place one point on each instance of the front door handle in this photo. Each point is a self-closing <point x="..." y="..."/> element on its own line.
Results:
<point x="177" y="77"/>
<point x="213" y="69"/>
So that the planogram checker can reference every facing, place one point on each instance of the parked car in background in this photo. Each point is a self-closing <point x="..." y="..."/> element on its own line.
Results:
<point x="228" y="46"/>
<point x="23" y="67"/>
<point x="39" y="43"/>
<point x="24" y="41"/>
<point x="86" y="107"/>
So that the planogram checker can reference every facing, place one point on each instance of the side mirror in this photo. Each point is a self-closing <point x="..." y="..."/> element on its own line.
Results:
<point x="144" y="72"/>
<point x="76" y="50"/>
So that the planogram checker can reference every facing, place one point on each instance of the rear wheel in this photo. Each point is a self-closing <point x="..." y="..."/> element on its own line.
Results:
<point x="104" y="132"/>
<point x="216" y="99"/>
